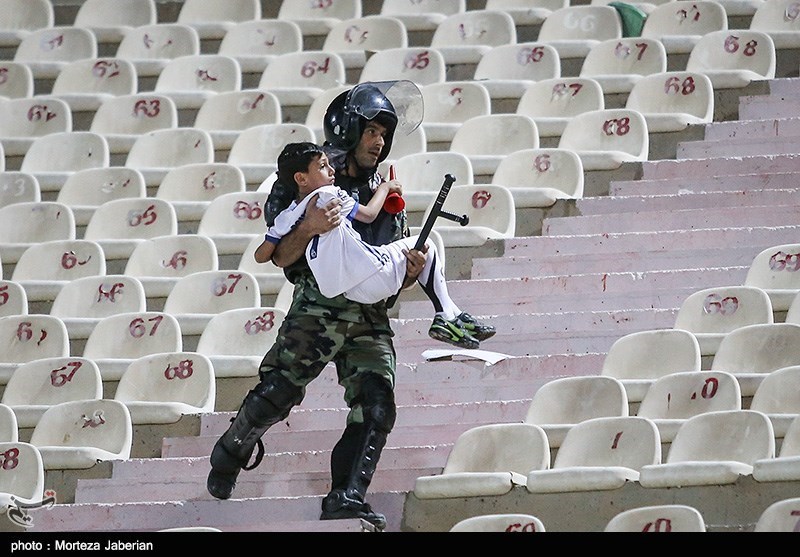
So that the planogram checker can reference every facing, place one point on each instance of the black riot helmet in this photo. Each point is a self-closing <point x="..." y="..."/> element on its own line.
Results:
<point x="397" y="105"/>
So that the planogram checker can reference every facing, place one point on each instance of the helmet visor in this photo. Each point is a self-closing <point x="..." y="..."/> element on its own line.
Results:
<point x="404" y="100"/>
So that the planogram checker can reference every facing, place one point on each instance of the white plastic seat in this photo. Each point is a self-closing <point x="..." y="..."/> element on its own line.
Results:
<point x="732" y="59"/>
<point x="420" y="64"/>
<point x="236" y="340"/>
<point x="605" y="139"/>
<point x="317" y="18"/>
<point x="504" y="522"/>
<point x="79" y="434"/>
<point x="679" y="24"/>
<point x="786" y="465"/>
<point x="18" y="18"/>
<point x="17" y="79"/>
<point x="256" y="42"/>
<point x="618" y="64"/>
<point x="414" y="142"/>
<point x="120" y="225"/>
<point x="711" y="313"/>
<point x="676" y="397"/>
<point x="297" y="78"/>
<point x="13" y="299"/>
<point x="31" y="337"/>
<point x="489" y="208"/>
<point x="713" y="448"/>
<point x="123" y="119"/>
<point x="39" y="384"/>
<point x="422" y="15"/>
<point x="232" y="220"/>
<point x="780" y="516"/>
<point x="54" y="157"/>
<point x="156" y="152"/>
<point x="225" y="115"/>
<point x="527" y="12"/>
<point x="778" y="397"/>
<point x="575" y="29"/>
<point x="22" y="480"/>
<point x="83" y="302"/>
<point x="150" y="47"/>
<point x="422" y="175"/>
<point x="488" y="460"/>
<point x="161" y="388"/>
<point x="657" y="518"/>
<point x="637" y="359"/>
<point x="463" y="38"/>
<point x="487" y="139"/>
<point x="33" y="222"/>
<point x="18" y="187"/>
<point x="190" y="188"/>
<point x="87" y="189"/>
<point x="256" y="149"/>
<point x="673" y="101"/>
<point x="119" y="339"/>
<point x="774" y="269"/>
<point x="561" y="403"/>
<point x="285" y="297"/>
<point x="353" y="38"/>
<point x="315" y="116"/>
<point x="213" y="18"/>
<point x="190" y="80"/>
<point x="540" y="177"/>
<point x="793" y="313"/>
<point x="451" y="103"/>
<point x="48" y="50"/>
<point x="9" y="430"/>
<point x="508" y="70"/>
<point x="109" y="20"/>
<point x="43" y="269"/>
<point x="85" y="84"/>
<point x="599" y="454"/>
<point x="778" y="19"/>
<point x="752" y="351"/>
<point x="24" y="120"/>
<point x="270" y="277"/>
<point x="160" y="261"/>
<point x="221" y="290"/>
<point x="553" y="102"/>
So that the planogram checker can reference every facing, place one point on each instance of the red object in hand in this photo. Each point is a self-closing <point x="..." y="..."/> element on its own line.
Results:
<point x="394" y="203"/>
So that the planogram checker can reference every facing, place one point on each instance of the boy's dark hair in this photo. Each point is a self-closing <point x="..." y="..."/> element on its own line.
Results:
<point x="296" y="157"/>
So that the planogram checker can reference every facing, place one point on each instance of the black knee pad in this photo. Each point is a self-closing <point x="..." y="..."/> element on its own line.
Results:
<point x="377" y="402"/>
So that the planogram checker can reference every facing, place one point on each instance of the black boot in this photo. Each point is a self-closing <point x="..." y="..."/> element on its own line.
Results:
<point x="337" y="505"/>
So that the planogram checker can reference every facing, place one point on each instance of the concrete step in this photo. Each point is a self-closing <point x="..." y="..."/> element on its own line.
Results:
<point x="753" y="128"/>
<point x="613" y="204"/>
<point x="785" y="86"/>
<point x="742" y="182"/>
<point x="756" y="107"/>
<point x="745" y="147"/>
<point x="720" y="166"/>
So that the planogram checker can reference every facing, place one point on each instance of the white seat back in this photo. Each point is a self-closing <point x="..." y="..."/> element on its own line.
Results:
<point x="679" y="24"/>
<point x="778" y="18"/>
<point x="571" y="400"/>
<point x="18" y="187"/>
<point x="495" y="134"/>
<point x="110" y="19"/>
<point x="670" y="101"/>
<point x="85" y="190"/>
<point x="448" y="105"/>
<point x="774" y="269"/>
<point x="506" y="522"/>
<point x="32" y="337"/>
<point x="241" y="332"/>
<point x="13" y="298"/>
<point x="49" y="49"/>
<point x="484" y="28"/>
<point x="32" y="117"/>
<point x="131" y="335"/>
<point x="44" y="268"/>
<point x="527" y="12"/>
<point x="537" y="177"/>
<point x="154" y="153"/>
<point x="617" y="64"/>
<point x="226" y="114"/>
<point x="319" y="17"/>
<point x="420" y="64"/>
<point x="34" y="222"/>
<point x="149" y="47"/>
<point x="17" y="79"/>
<point x="422" y="15"/>
<point x="235" y="213"/>
<point x="314" y="69"/>
<point x="780" y="516"/>
<point x="9" y="429"/>
<point x="22" y="475"/>
<point x="573" y="30"/>
<point x="201" y="182"/>
<point x="359" y="34"/>
<point x="626" y="441"/>
<point x="213" y="18"/>
<point x="222" y="290"/>
<point x="778" y="397"/>
<point x="553" y="102"/>
<point x="733" y="58"/>
<point x="134" y="115"/>
<point x="133" y="218"/>
<point x="54" y="157"/>
<point x="85" y="83"/>
<point x="422" y="175"/>
<point x="199" y="74"/>
<point x="25" y="15"/>
<point x="508" y="70"/>
<point x="658" y="518"/>
<point x="604" y="139"/>
<point x="254" y="43"/>
<point x="256" y="149"/>
<point x="99" y="296"/>
<point x="270" y="277"/>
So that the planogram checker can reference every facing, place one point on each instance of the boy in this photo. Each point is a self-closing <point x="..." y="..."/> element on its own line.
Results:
<point x="344" y="264"/>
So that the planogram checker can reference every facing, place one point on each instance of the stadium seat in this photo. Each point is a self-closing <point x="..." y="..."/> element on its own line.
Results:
<point x="156" y="152"/>
<point x="150" y="47"/>
<point x="285" y="296"/>
<point x="33" y="222"/>
<point x="508" y="70"/>
<point x="85" y="84"/>
<point x="553" y="102"/>
<point x="236" y="340"/>
<point x="213" y="18"/>
<point x="225" y="115"/>
<point x="255" y="43"/>
<point x="190" y="188"/>
<point x="30" y="337"/>
<point x="780" y="516"/>
<point x="160" y="261"/>
<point x="297" y="78"/>
<point x="774" y="269"/>
<point x="778" y="397"/>
<point x="17" y="79"/>
<point x="18" y="18"/>
<point x="489" y="208"/>
<point x="24" y="120"/>
<point x="232" y="220"/>
<point x="422" y="15"/>
<point x="527" y="12"/>
<point x="599" y="454"/>
<point x="637" y="359"/>
<point x="109" y="20"/>
<point x="22" y="480"/>
<point x="414" y="142"/>
<point x="711" y="313"/>
<point x="44" y="268"/>
<point x="575" y="29"/>
<point x="39" y="384"/>
<point x="618" y="64"/>
<point x="119" y="339"/>
<point x="605" y="139"/>
<point x="505" y="522"/>
<point x="223" y="290"/>
<point x="752" y="351"/>
<point x="122" y="120"/>
<point x="561" y="403"/>
<point x="786" y="465"/>
<point x="269" y="276"/>
<point x="540" y="177"/>
<point x="256" y="149"/>
<point x="9" y="430"/>
<point x="488" y="460"/>
<point x="120" y="225"/>
<point x="161" y="388"/>
<point x="352" y="39"/>
<point x="18" y="187"/>
<point x="421" y="64"/>
<point x="422" y="175"/>
<point x="713" y="448"/>
<point x="679" y="24"/>
<point x="85" y="190"/>
<point x="739" y="8"/>
<point x="54" y="157"/>
<point x="463" y="38"/>
<point x="13" y="300"/>
<point x="487" y="139"/>
<point x="778" y="19"/>
<point x="449" y="104"/>
<point x="48" y="50"/>
<point x="78" y="434"/>
<point x="658" y="518"/>
<point x="674" y="398"/>
<point x="733" y="59"/>
<point x="191" y="80"/>
<point x="673" y="101"/>
<point x="317" y="18"/>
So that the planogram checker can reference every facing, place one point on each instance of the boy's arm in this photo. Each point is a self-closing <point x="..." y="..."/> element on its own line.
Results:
<point x="317" y="221"/>
<point x="369" y="212"/>
<point x="264" y="252"/>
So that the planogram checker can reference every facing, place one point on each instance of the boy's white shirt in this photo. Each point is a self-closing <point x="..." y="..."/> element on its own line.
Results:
<point x="339" y="258"/>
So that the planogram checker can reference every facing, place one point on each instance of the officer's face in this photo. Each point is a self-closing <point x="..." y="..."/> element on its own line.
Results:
<point x="369" y="148"/>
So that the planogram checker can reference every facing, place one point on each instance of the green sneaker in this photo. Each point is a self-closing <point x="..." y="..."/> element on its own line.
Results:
<point x="451" y="333"/>
<point x="478" y="330"/>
